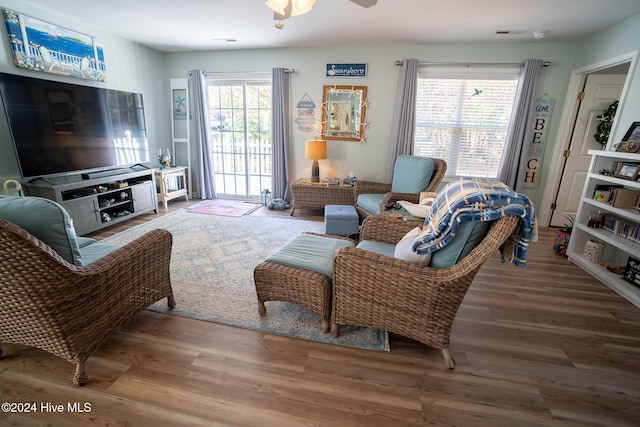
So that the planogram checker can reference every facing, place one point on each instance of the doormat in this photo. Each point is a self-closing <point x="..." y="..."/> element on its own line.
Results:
<point x="225" y="207"/>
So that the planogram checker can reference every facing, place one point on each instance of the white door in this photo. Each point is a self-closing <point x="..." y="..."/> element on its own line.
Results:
<point x="599" y="92"/>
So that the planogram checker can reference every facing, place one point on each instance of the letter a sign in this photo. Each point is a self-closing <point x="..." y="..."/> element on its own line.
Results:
<point x="543" y="110"/>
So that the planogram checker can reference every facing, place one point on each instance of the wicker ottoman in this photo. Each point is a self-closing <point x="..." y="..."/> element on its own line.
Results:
<point x="340" y="220"/>
<point x="297" y="275"/>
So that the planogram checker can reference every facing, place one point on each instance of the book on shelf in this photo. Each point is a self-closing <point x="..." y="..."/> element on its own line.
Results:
<point x="621" y="228"/>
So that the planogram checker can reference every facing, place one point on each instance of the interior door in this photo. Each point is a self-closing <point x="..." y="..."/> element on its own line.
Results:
<point x="599" y="92"/>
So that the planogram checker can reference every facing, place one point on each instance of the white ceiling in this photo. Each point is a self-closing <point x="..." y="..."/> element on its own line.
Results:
<point x="169" y="25"/>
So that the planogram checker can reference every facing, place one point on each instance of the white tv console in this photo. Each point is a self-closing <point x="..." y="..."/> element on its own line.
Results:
<point x="99" y="202"/>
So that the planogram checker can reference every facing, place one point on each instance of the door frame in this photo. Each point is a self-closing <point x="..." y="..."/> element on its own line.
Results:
<point x="567" y="122"/>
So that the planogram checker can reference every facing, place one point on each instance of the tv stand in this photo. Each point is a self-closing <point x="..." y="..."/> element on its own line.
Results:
<point x="103" y="174"/>
<point x="99" y="202"/>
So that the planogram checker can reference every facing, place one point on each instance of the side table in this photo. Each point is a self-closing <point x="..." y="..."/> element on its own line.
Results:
<point x="314" y="195"/>
<point x="171" y="183"/>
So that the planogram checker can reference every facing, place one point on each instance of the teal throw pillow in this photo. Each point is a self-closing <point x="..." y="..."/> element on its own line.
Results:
<point x="468" y="236"/>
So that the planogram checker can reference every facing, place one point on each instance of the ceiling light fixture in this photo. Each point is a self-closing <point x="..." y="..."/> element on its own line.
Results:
<point x="539" y="34"/>
<point x="283" y="9"/>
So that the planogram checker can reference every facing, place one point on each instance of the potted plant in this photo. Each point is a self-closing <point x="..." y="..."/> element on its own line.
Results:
<point x="561" y="240"/>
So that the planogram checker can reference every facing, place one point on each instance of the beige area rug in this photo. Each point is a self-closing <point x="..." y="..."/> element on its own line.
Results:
<point x="212" y="264"/>
<point x="224" y="207"/>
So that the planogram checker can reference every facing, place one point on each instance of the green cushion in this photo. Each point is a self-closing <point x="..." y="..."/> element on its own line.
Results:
<point x="468" y="236"/>
<point x="370" y="202"/>
<point x="411" y="174"/>
<point x="385" y="249"/>
<point x="46" y="220"/>
<point x="95" y="251"/>
<point x="309" y="252"/>
<point x="85" y="241"/>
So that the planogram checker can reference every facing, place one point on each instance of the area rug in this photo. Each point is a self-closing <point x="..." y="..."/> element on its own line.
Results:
<point x="212" y="264"/>
<point x="224" y="207"/>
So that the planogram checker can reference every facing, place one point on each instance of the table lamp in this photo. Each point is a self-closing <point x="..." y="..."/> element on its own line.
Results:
<point x="315" y="149"/>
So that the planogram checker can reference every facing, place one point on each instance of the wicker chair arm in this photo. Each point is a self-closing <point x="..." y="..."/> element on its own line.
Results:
<point x="394" y="197"/>
<point x="371" y="187"/>
<point x="384" y="229"/>
<point x="114" y="289"/>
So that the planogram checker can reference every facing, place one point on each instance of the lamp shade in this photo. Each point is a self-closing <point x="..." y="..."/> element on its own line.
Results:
<point x="300" y="7"/>
<point x="315" y="149"/>
<point x="278" y="6"/>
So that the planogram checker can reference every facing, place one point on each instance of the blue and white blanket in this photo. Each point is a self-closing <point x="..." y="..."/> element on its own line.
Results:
<point x="478" y="199"/>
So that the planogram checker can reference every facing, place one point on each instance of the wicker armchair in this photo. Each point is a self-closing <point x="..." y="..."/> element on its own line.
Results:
<point x="408" y="299"/>
<point x="372" y="187"/>
<point x="69" y="311"/>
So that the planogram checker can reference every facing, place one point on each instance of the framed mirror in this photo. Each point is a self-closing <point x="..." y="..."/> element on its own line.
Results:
<point x="343" y="112"/>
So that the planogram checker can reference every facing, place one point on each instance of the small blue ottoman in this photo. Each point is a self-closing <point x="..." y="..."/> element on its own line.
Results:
<point x="340" y="220"/>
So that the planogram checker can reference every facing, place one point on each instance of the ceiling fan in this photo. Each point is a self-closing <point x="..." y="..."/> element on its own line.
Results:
<point x="283" y="9"/>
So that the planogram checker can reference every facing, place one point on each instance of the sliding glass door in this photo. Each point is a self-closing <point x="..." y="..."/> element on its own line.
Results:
<point x="240" y="117"/>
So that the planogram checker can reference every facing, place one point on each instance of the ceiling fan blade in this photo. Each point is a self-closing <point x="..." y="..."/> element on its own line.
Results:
<point x="365" y="3"/>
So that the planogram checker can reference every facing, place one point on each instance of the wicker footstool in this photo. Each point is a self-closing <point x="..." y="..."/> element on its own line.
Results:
<point x="300" y="273"/>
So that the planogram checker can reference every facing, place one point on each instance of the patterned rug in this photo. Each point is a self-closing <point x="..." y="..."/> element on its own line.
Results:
<point x="212" y="264"/>
<point x="224" y="207"/>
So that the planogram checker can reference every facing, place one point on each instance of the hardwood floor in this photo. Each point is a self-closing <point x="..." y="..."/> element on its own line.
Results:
<point x="537" y="346"/>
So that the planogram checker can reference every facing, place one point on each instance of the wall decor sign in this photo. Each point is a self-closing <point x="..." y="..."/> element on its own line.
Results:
<point x="306" y="120"/>
<point x="346" y="70"/>
<point x="40" y="46"/>
<point x="542" y="116"/>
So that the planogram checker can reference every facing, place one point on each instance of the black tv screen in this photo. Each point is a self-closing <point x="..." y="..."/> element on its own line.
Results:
<point x="61" y="128"/>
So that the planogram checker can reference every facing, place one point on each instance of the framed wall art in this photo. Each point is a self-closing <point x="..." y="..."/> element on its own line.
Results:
<point x="343" y="112"/>
<point x="41" y="46"/>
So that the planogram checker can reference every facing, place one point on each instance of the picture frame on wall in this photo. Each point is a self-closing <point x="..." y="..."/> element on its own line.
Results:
<point x="343" y="112"/>
<point x="42" y="46"/>
<point x="633" y="134"/>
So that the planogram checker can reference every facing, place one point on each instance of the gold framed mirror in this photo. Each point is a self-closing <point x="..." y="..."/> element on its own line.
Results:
<point x="343" y="112"/>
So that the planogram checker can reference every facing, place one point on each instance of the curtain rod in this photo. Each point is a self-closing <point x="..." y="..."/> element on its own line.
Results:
<point x="286" y="70"/>
<point x="472" y="64"/>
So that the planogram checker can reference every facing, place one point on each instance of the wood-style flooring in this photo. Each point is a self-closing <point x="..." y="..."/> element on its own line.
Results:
<point x="545" y="345"/>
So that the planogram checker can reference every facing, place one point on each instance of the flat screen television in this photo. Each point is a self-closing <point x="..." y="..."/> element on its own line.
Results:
<point x="62" y="129"/>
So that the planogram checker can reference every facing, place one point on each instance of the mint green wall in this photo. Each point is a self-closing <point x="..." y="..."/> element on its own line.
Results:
<point x="618" y="40"/>
<point x="368" y="160"/>
<point x="130" y="67"/>
<point x="136" y="68"/>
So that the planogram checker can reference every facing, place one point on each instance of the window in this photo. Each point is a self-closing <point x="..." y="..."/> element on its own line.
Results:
<point x="240" y="118"/>
<point x="462" y="116"/>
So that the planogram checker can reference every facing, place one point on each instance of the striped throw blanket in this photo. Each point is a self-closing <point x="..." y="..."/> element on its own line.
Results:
<point x="478" y="199"/>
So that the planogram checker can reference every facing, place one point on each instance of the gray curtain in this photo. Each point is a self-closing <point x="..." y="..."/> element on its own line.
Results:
<point x="205" y="176"/>
<point x="404" y="115"/>
<point x="513" y="162"/>
<point x="280" y="133"/>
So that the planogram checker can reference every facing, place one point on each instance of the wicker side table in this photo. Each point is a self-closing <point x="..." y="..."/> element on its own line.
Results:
<point x="315" y="195"/>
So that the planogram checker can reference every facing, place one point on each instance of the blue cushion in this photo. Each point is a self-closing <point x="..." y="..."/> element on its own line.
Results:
<point x="381" y="248"/>
<point x="95" y="251"/>
<point x="411" y="174"/>
<point x="309" y="252"/>
<point x="370" y="202"/>
<point x="46" y="220"/>
<point x="468" y="236"/>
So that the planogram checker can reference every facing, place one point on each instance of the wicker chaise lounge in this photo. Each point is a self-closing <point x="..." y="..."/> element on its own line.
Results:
<point x="70" y="310"/>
